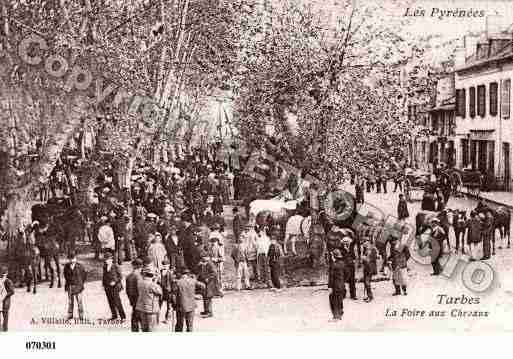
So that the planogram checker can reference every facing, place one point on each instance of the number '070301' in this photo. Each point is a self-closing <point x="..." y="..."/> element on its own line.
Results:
<point x="34" y="345"/>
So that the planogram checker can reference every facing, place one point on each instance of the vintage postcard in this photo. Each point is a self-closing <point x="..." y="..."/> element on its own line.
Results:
<point x="255" y="166"/>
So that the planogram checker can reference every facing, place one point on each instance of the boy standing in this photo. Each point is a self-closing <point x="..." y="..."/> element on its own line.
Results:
<point x="167" y="279"/>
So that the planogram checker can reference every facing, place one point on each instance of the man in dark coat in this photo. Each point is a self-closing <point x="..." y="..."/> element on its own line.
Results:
<point x="370" y="267"/>
<point x="402" y="208"/>
<point x="207" y="275"/>
<point x="132" y="282"/>
<point x="237" y="223"/>
<point x="74" y="277"/>
<point x="174" y="247"/>
<point x="348" y="253"/>
<point x="112" y="283"/>
<point x="474" y="237"/>
<point x="337" y="284"/>
<point x="6" y="292"/>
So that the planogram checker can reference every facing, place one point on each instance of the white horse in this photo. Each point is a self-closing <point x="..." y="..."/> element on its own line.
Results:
<point x="297" y="227"/>
<point x="273" y="205"/>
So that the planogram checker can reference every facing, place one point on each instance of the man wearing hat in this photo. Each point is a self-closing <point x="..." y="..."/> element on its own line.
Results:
<point x="74" y="279"/>
<point x="167" y="282"/>
<point x="148" y="300"/>
<point x="132" y="282"/>
<point x="6" y="292"/>
<point x="186" y="302"/>
<point x="399" y="255"/>
<point x="337" y="284"/>
<point x="112" y="284"/>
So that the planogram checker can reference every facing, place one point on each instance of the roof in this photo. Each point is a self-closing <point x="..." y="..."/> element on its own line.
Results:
<point x="505" y="53"/>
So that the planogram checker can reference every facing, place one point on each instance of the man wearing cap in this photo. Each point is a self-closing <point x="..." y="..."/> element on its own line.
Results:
<point x="275" y="255"/>
<point x="337" y="284"/>
<point x="149" y="293"/>
<point x="263" y="242"/>
<point x="370" y="267"/>
<point x="216" y="252"/>
<point x="207" y="275"/>
<point x="6" y="292"/>
<point x="249" y="238"/>
<point x="399" y="255"/>
<point x="437" y="238"/>
<point x="112" y="284"/>
<point x="348" y="253"/>
<point x="185" y="288"/>
<point x="74" y="277"/>
<point x="132" y="282"/>
<point x="241" y="265"/>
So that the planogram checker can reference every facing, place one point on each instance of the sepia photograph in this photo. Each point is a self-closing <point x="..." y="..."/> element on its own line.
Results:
<point x="255" y="166"/>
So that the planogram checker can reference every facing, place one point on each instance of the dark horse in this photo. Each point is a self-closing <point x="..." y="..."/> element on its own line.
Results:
<point x="46" y="241"/>
<point x="27" y="258"/>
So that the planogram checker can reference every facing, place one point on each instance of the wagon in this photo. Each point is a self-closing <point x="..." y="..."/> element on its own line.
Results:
<point x="414" y="184"/>
<point x="471" y="179"/>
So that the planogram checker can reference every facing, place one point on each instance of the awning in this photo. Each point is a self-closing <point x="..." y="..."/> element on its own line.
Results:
<point x="484" y="134"/>
<point x="444" y="107"/>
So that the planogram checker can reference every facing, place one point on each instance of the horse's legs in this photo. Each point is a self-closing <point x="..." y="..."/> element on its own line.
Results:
<point x="48" y="266"/>
<point x="29" y="275"/>
<point x="58" y="268"/>
<point x="34" y="266"/>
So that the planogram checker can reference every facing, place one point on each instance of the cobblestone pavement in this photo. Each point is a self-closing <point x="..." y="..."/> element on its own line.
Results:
<point x="306" y="308"/>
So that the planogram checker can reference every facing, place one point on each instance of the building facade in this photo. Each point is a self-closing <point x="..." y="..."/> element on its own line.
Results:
<point x="484" y="128"/>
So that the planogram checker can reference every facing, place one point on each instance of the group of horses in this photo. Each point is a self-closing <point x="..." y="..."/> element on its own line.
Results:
<point x="501" y="220"/>
<point x="37" y="247"/>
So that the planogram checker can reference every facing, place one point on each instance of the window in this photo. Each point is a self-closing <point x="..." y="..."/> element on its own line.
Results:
<point x="494" y="87"/>
<point x="465" y="153"/>
<point x="472" y="102"/>
<point x="460" y="103"/>
<point x="505" y="98"/>
<point x="481" y="100"/>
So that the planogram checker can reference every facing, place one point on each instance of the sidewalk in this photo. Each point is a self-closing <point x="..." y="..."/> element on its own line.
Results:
<point x="496" y="197"/>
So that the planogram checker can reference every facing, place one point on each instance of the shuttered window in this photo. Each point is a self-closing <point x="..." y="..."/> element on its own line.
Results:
<point x="472" y="102"/>
<point x="460" y="103"/>
<point x="505" y="98"/>
<point x="481" y="100"/>
<point x="494" y="87"/>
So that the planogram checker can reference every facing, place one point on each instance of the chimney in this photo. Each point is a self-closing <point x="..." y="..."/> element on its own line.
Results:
<point x="459" y="57"/>
<point x="469" y="44"/>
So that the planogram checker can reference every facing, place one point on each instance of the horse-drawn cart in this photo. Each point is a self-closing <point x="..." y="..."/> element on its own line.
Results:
<point x="414" y="183"/>
<point x="471" y="179"/>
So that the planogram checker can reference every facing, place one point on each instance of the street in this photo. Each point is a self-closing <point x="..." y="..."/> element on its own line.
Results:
<point x="306" y="308"/>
